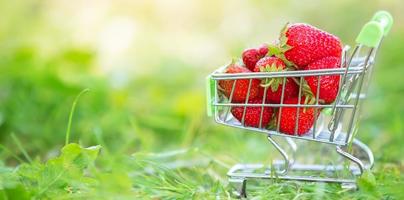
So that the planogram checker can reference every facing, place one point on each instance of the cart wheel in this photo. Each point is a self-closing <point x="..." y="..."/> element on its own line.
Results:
<point x="240" y="186"/>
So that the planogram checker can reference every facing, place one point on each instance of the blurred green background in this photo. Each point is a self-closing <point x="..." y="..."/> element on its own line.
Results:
<point x="145" y="63"/>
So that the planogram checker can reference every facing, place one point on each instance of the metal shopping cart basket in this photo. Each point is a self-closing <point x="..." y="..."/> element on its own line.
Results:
<point x="336" y="125"/>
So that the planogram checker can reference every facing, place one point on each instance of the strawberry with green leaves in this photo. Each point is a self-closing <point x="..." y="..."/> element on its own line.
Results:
<point x="241" y="85"/>
<point x="329" y="84"/>
<point x="301" y="44"/>
<point x="274" y="85"/>
<point x="288" y="116"/>
<point x="252" y="55"/>
<point x="253" y="114"/>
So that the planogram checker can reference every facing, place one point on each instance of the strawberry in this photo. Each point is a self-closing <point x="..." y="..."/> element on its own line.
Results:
<point x="302" y="44"/>
<point x="241" y="86"/>
<point x="252" y="55"/>
<point x="329" y="84"/>
<point x="253" y="114"/>
<point x="288" y="117"/>
<point x="274" y="91"/>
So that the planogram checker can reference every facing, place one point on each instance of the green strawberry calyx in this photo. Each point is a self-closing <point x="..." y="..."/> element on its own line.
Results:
<point x="309" y="97"/>
<point x="279" y="49"/>
<point x="273" y="123"/>
<point x="272" y="82"/>
<point x="235" y="61"/>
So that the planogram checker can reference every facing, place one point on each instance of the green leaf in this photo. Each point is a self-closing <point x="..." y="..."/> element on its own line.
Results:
<point x="275" y="84"/>
<point x="367" y="183"/>
<point x="274" y="87"/>
<point x="273" y="50"/>
<point x="286" y="61"/>
<point x="74" y="154"/>
<point x="17" y="192"/>
<point x="64" y="173"/>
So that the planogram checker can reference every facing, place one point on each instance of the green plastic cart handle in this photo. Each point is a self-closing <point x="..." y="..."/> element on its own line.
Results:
<point x="373" y="31"/>
<point x="385" y="19"/>
<point x="210" y="86"/>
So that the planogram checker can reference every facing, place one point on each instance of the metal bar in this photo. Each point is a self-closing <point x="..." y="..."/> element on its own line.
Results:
<point x="368" y="152"/>
<point x="337" y="113"/>
<point x="260" y="75"/>
<point x="292" y="146"/>
<point x="283" y="105"/>
<point x="246" y="101"/>
<point x="283" y="153"/>
<point x="362" y="75"/>
<point x="242" y="186"/>
<point x="295" y="178"/>
<point x="355" y="53"/>
<point x="276" y="133"/>
<point x="245" y="171"/>
<point x="352" y="158"/>
<point x="230" y="99"/>
<point x="332" y="125"/>
<point x="262" y="107"/>
<point x="215" y="108"/>
<point x="370" y="70"/>
<point x="354" y="78"/>
<point x="316" y="110"/>
<point x="298" y="109"/>
<point x="296" y="167"/>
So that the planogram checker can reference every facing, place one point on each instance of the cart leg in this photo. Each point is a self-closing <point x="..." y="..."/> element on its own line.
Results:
<point x="286" y="158"/>
<point x="366" y="150"/>
<point x="293" y="147"/>
<point x="352" y="158"/>
<point x="240" y="185"/>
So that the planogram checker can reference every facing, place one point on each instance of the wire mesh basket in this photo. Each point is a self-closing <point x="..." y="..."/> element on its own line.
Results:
<point x="334" y="124"/>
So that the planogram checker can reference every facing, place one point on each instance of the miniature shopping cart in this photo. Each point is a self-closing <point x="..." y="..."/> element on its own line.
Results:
<point x="336" y="126"/>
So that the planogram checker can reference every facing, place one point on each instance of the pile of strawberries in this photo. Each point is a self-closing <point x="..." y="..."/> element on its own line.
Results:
<point x="300" y="47"/>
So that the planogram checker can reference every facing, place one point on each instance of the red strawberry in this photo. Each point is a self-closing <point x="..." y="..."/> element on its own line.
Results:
<point x="253" y="114"/>
<point x="329" y="84"/>
<point x="274" y="91"/>
<point x="288" y="118"/>
<point x="241" y="86"/>
<point x="251" y="56"/>
<point x="303" y="44"/>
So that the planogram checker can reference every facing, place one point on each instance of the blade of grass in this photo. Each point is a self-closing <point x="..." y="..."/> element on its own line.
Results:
<point x="11" y="153"/>
<point x="20" y="147"/>
<point x="69" y="123"/>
